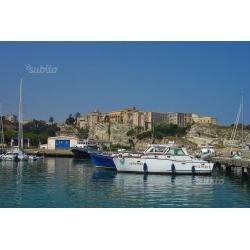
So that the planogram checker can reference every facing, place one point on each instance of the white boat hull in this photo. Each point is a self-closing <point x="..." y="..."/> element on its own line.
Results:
<point x="11" y="156"/>
<point x="162" y="166"/>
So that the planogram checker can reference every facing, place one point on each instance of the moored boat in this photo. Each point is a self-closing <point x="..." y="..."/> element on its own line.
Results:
<point x="106" y="161"/>
<point x="173" y="160"/>
<point x="206" y="152"/>
<point x="84" y="148"/>
<point x="103" y="161"/>
<point x="15" y="154"/>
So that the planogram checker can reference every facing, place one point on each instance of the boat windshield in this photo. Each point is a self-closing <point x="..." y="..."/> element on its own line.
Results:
<point x="175" y="152"/>
<point x="156" y="149"/>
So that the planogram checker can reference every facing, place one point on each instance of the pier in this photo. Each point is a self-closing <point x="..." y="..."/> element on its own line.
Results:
<point x="232" y="165"/>
<point x="51" y="153"/>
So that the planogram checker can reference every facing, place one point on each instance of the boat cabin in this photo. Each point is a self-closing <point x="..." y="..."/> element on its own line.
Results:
<point x="156" y="149"/>
<point x="208" y="149"/>
<point x="175" y="151"/>
<point x="86" y="144"/>
<point x="165" y="150"/>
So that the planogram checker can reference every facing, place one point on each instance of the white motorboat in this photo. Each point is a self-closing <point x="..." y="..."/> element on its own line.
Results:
<point x="206" y="151"/>
<point x="173" y="160"/>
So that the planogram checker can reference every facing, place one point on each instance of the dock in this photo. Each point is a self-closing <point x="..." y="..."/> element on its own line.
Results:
<point x="229" y="164"/>
<point x="51" y="153"/>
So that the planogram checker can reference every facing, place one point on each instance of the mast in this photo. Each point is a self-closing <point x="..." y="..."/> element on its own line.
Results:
<point x="242" y="116"/>
<point x="1" y="127"/>
<point x="20" y="118"/>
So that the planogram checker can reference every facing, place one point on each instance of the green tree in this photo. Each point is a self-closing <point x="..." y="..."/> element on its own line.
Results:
<point x="84" y="133"/>
<point x="70" y="120"/>
<point x="109" y="130"/>
<point x="77" y="115"/>
<point x="51" y="119"/>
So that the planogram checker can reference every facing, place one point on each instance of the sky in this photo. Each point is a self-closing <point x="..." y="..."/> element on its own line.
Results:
<point x="207" y="78"/>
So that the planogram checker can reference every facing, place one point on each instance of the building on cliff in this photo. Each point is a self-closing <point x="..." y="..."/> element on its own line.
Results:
<point x="131" y="117"/>
<point x="197" y="119"/>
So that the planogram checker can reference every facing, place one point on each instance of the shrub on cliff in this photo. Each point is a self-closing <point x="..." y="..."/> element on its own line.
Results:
<point x="163" y="130"/>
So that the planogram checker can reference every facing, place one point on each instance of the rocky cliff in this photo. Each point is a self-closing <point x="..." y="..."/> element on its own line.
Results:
<point x="216" y="135"/>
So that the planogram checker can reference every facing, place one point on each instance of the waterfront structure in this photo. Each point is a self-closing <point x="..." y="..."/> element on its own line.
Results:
<point x="61" y="142"/>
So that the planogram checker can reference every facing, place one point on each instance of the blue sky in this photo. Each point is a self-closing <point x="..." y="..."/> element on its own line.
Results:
<point x="201" y="77"/>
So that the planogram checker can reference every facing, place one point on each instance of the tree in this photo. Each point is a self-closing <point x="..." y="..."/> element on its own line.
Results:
<point x="109" y="130"/>
<point x="77" y="115"/>
<point x="51" y="120"/>
<point x="84" y="133"/>
<point x="70" y="120"/>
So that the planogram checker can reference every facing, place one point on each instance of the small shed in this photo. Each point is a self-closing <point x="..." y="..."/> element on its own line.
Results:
<point x="62" y="142"/>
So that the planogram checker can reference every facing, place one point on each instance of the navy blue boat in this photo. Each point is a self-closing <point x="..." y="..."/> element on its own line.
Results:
<point x="103" y="161"/>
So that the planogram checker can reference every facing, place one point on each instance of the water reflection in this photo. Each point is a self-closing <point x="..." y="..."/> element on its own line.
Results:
<point x="58" y="182"/>
<point x="103" y="175"/>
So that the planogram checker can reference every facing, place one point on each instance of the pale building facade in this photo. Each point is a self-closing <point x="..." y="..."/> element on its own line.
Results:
<point x="135" y="118"/>
<point x="203" y="119"/>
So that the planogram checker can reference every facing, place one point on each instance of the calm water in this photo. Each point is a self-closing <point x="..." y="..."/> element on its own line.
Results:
<point x="58" y="182"/>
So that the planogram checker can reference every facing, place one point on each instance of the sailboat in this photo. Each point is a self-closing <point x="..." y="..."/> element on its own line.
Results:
<point x="16" y="153"/>
<point x="2" y="144"/>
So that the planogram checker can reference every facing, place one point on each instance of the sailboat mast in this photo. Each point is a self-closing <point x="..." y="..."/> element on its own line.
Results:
<point x="1" y="127"/>
<point x="20" y="118"/>
<point x="242" y="115"/>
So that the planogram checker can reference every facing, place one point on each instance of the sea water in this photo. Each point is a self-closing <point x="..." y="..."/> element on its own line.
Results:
<point x="67" y="183"/>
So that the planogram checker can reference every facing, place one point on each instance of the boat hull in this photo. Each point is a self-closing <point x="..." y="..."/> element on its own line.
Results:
<point x="80" y="153"/>
<point x="162" y="166"/>
<point x="13" y="158"/>
<point x="103" y="161"/>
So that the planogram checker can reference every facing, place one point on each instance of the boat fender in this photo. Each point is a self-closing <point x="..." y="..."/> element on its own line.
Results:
<point x="120" y="156"/>
<point x="145" y="167"/>
<point x="173" y="168"/>
<point x="193" y="169"/>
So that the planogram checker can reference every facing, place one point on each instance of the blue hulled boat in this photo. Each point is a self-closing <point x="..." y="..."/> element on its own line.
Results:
<point x="84" y="148"/>
<point x="103" y="161"/>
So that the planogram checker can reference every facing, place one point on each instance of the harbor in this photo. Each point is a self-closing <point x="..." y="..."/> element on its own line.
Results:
<point x="173" y="147"/>
<point x="64" y="182"/>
